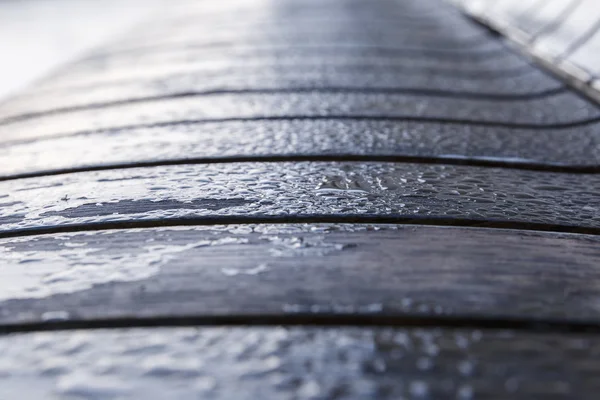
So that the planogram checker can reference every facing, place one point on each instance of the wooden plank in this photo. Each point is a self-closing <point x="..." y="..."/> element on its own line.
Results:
<point x="102" y="70"/>
<point x="429" y="34"/>
<point x="450" y="28"/>
<point x="428" y="275"/>
<point x="393" y="9"/>
<point x="565" y="108"/>
<point x="270" y="23"/>
<point x="578" y="146"/>
<point x="443" y="20"/>
<point x="344" y="189"/>
<point x="282" y="24"/>
<point x="330" y="269"/>
<point x="333" y="26"/>
<point x="432" y="39"/>
<point x="306" y="363"/>
<point x="296" y="78"/>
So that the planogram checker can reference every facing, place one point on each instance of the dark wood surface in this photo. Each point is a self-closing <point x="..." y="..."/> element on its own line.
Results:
<point x="105" y="68"/>
<point x="248" y="78"/>
<point x="552" y="149"/>
<point x="560" y="110"/>
<point x="297" y="269"/>
<point x="232" y="164"/>
<point x="342" y="191"/>
<point x="251" y="363"/>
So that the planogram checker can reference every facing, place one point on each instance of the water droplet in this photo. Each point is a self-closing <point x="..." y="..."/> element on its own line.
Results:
<point x="418" y="389"/>
<point x="249" y="271"/>
<point x="167" y="365"/>
<point x="464" y="393"/>
<point x="91" y="386"/>
<point x="424" y="363"/>
<point x="205" y="384"/>
<point x="511" y="385"/>
<point x="52" y="316"/>
<point x="466" y="367"/>
<point x="309" y="390"/>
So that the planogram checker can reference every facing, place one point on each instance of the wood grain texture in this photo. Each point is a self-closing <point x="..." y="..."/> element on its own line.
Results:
<point x="305" y="363"/>
<point x="106" y="68"/>
<point x="286" y="190"/>
<point x="293" y="78"/>
<point x="242" y="33"/>
<point x="574" y="147"/>
<point x="325" y="269"/>
<point x="91" y="75"/>
<point x="455" y="31"/>
<point x="312" y="90"/>
<point x="445" y="23"/>
<point x="424" y="36"/>
<point x="559" y="110"/>
<point x="289" y="78"/>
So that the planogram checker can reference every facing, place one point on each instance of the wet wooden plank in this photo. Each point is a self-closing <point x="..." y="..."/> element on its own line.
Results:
<point x="426" y="41"/>
<point x="101" y="71"/>
<point x="289" y="78"/>
<point x="437" y="18"/>
<point x="307" y="363"/>
<point x="343" y="269"/>
<point x="325" y="24"/>
<point x="341" y="28"/>
<point x="287" y="29"/>
<point x="546" y="112"/>
<point x="455" y="30"/>
<point x="287" y="363"/>
<point x="571" y="147"/>
<point x="331" y="189"/>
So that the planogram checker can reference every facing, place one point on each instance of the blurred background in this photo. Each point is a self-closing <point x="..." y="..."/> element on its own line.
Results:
<point x="39" y="35"/>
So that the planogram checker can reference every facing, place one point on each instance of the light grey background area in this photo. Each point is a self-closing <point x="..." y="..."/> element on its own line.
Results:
<point x="39" y="35"/>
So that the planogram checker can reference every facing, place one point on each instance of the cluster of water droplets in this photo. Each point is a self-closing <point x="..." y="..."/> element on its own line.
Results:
<point x="71" y="262"/>
<point x="252" y="189"/>
<point x="249" y="363"/>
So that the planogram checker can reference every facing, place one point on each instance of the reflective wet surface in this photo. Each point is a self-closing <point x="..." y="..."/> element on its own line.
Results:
<point x="297" y="269"/>
<point x="102" y="69"/>
<point x="367" y="78"/>
<point x="299" y="363"/>
<point x="571" y="146"/>
<point x="155" y="182"/>
<point x="561" y="110"/>
<point x="308" y="188"/>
